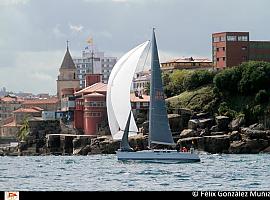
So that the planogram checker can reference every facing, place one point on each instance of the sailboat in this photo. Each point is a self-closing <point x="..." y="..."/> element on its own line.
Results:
<point x="120" y="117"/>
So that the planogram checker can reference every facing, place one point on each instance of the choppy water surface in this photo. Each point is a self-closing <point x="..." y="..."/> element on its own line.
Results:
<point x="105" y="173"/>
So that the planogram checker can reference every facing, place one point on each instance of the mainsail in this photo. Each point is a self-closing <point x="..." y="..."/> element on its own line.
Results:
<point x="159" y="129"/>
<point x="118" y="92"/>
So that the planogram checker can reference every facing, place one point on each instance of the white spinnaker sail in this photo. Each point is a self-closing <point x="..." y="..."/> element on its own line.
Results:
<point x="118" y="92"/>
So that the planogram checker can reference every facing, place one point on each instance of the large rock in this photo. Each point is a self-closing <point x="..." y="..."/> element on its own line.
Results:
<point x="139" y="142"/>
<point x="235" y="136"/>
<point x="81" y="145"/>
<point x="214" y="128"/>
<point x="188" y="133"/>
<point x="185" y="116"/>
<point x="54" y="144"/>
<point x="222" y="122"/>
<point x="175" y="122"/>
<point x="248" y="146"/>
<point x="216" y="144"/>
<point x="202" y="116"/>
<point x="236" y="123"/>
<point x="193" y="124"/>
<point x="256" y="126"/>
<point x="266" y="150"/>
<point x="254" y="134"/>
<point x="206" y="123"/>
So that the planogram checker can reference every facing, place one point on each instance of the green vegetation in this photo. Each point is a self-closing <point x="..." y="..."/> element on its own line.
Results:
<point x="202" y="99"/>
<point x="242" y="90"/>
<point x="24" y="130"/>
<point x="181" y="80"/>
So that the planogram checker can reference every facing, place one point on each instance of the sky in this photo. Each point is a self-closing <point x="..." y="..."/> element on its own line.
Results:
<point x="33" y="33"/>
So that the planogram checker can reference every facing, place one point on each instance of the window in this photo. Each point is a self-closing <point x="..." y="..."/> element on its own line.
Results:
<point x="215" y="39"/>
<point x="224" y="58"/>
<point x="242" y="38"/>
<point x="95" y="114"/>
<point x="223" y="48"/>
<point x="145" y="104"/>
<point x="231" y="38"/>
<point x="95" y="104"/>
<point x="222" y="38"/>
<point x="217" y="59"/>
<point x="217" y="49"/>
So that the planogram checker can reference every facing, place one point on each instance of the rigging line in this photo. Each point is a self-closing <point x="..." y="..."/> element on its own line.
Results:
<point x="150" y="43"/>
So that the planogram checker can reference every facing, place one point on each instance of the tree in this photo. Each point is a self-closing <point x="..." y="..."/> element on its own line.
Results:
<point x="197" y="79"/>
<point x="228" y="79"/>
<point x="24" y="130"/>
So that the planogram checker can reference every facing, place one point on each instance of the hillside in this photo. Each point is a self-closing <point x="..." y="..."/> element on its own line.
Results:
<point x="200" y="100"/>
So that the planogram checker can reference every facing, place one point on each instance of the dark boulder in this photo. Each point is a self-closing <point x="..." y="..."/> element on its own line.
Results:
<point x="248" y="146"/>
<point x="235" y="136"/>
<point x="216" y="144"/>
<point x="222" y="122"/>
<point x="188" y="133"/>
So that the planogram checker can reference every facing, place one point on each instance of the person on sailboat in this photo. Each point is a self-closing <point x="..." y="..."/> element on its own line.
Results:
<point x="184" y="149"/>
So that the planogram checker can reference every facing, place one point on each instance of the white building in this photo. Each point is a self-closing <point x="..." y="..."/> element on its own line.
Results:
<point x="94" y="63"/>
<point x="140" y="81"/>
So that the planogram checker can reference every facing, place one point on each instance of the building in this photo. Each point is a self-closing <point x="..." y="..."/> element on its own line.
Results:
<point x="187" y="63"/>
<point x="45" y="104"/>
<point x="141" y="81"/>
<point x="232" y="48"/>
<point x="11" y="126"/>
<point x="139" y="102"/>
<point x="7" y="105"/>
<point x="68" y="75"/>
<point x="94" y="63"/>
<point x="90" y="106"/>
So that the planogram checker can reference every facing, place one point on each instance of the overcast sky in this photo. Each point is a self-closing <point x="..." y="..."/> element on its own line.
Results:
<point x="33" y="33"/>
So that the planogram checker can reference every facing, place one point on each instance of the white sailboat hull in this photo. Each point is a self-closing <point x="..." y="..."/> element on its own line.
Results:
<point x="171" y="156"/>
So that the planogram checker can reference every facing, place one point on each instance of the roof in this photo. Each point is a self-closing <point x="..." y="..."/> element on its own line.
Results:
<point x="145" y="98"/>
<point x="189" y="59"/>
<point x="38" y="108"/>
<point x="97" y="87"/>
<point x="67" y="62"/>
<point x="95" y="94"/>
<point x="41" y="101"/>
<point x="12" y="124"/>
<point x="26" y="110"/>
<point x="11" y="99"/>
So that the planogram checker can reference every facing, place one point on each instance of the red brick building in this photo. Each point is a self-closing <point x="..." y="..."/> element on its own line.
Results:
<point x="90" y="105"/>
<point x="232" y="48"/>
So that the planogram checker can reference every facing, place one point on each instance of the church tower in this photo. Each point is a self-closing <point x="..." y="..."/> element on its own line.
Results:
<point x="68" y="75"/>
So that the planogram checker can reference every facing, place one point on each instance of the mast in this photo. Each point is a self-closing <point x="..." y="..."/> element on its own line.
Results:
<point x="92" y="59"/>
<point x="159" y="129"/>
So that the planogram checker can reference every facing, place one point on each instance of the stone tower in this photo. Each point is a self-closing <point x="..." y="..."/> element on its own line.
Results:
<point x="68" y="75"/>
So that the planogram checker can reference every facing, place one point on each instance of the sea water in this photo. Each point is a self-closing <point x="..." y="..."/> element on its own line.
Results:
<point x="105" y="173"/>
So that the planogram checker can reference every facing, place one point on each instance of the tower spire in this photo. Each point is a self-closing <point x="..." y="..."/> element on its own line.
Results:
<point x="67" y="44"/>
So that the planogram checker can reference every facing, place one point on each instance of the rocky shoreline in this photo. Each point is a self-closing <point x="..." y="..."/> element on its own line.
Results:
<point x="201" y="131"/>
